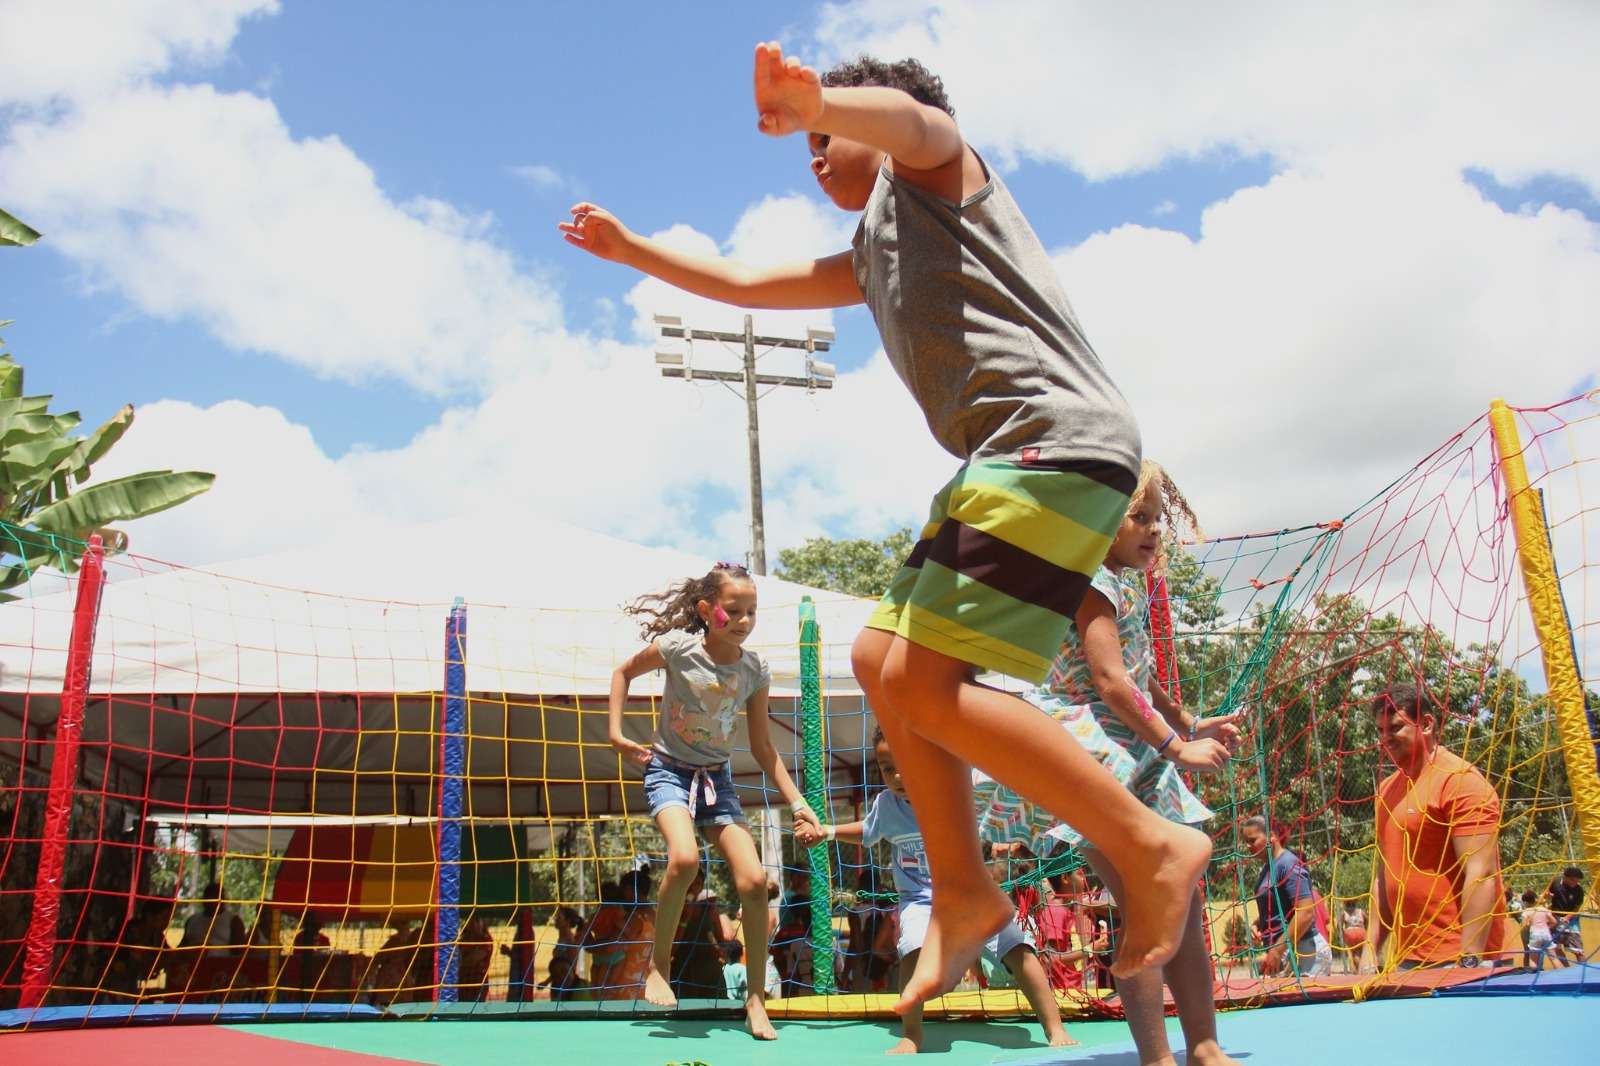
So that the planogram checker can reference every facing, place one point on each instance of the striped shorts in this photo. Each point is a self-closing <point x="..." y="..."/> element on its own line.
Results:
<point x="998" y="573"/>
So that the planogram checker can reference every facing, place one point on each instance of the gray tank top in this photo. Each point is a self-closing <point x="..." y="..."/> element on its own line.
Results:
<point x="975" y="323"/>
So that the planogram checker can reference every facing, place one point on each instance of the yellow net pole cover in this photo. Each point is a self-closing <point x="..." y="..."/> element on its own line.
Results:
<point x="1555" y="636"/>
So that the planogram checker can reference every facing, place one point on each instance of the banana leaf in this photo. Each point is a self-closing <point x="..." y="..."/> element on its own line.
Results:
<point x="14" y="232"/>
<point x="118" y="500"/>
<point x="100" y="441"/>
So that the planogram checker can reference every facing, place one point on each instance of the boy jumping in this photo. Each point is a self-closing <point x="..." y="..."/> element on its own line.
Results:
<point x="975" y="323"/>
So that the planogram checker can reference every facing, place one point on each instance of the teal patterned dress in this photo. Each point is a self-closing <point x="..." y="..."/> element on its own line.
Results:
<point x="1068" y="695"/>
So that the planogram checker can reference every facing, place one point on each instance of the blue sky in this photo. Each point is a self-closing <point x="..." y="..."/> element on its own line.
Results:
<point x="447" y="102"/>
<point x="1303" y="265"/>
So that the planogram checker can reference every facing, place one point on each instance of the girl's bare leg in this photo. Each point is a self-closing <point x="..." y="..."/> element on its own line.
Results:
<point x="1189" y="975"/>
<point x="750" y="880"/>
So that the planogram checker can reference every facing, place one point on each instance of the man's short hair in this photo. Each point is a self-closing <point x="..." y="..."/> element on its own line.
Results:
<point x="1256" y="822"/>
<point x="1573" y="872"/>
<point x="1404" y="698"/>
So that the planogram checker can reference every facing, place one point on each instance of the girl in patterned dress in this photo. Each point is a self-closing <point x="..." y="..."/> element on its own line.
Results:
<point x="1102" y="689"/>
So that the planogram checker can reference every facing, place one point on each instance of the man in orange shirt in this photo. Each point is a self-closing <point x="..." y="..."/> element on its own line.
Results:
<point x="1437" y="890"/>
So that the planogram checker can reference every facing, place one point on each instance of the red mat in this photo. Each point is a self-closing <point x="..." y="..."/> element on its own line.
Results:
<point x="174" y="1045"/>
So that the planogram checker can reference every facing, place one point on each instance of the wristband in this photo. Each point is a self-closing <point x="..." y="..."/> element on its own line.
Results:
<point x="828" y="831"/>
<point x="1194" y="727"/>
<point x="1162" y="749"/>
<point x="799" y="805"/>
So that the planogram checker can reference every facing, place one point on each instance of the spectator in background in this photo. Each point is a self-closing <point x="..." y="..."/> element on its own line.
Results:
<point x="1538" y="928"/>
<point x="1566" y="902"/>
<point x="697" y="950"/>
<point x="734" y="978"/>
<point x="569" y="936"/>
<point x="141" y="947"/>
<point x="214" y="925"/>
<point x="1285" y="907"/>
<point x="1352" y="932"/>
<point x="565" y="984"/>
<point x="794" y="932"/>
<point x="1437" y="889"/>
<point x="1056" y="922"/>
<point x="395" y="976"/>
<point x="476" y="953"/>
<point x="623" y="930"/>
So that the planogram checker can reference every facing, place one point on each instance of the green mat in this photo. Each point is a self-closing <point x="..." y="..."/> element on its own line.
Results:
<point x="656" y="1042"/>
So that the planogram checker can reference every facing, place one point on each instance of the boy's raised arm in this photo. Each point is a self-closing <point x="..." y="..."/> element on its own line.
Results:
<point x="826" y="282"/>
<point x="791" y="99"/>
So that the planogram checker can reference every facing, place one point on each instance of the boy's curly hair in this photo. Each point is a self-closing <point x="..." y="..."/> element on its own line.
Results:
<point x="674" y="608"/>
<point x="907" y="75"/>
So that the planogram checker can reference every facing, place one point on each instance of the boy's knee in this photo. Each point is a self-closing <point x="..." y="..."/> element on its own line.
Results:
<point x="751" y="885"/>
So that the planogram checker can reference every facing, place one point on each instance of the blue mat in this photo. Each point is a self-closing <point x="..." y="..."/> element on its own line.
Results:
<point x="1572" y="980"/>
<point x="220" y="1013"/>
<point x="1503" y="1031"/>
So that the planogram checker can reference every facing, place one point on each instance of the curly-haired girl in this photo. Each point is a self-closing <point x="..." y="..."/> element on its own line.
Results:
<point x="696" y="631"/>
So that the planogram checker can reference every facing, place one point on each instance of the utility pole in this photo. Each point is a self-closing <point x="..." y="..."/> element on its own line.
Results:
<point x="819" y="375"/>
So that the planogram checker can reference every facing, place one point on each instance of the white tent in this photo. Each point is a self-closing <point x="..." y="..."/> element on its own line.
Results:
<point x="308" y="681"/>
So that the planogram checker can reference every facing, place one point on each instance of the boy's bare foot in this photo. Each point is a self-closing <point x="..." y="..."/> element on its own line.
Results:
<point x="1161" y="892"/>
<point x="1061" y="1039"/>
<point x="906" y="1046"/>
<point x="957" y="931"/>
<point x="755" y="1018"/>
<point x="657" y="989"/>
<point x="1209" y="1053"/>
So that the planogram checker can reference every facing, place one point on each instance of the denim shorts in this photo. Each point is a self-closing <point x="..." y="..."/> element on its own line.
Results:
<point x="668" y="783"/>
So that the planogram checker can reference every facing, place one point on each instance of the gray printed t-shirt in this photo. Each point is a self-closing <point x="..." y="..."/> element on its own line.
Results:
<point x="701" y="700"/>
<point x="974" y="321"/>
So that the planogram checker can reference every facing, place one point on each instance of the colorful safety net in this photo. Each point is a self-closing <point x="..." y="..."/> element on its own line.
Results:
<point x="223" y="795"/>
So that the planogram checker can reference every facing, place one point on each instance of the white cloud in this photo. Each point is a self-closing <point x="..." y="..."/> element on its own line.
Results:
<point x="52" y="51"/>
<point x="540" y="175"/>
<point x="1109" y="89"/>
<point x="1325" y="332"/>
<point x="1165" y="207"/>
<point x="202" y="205"/>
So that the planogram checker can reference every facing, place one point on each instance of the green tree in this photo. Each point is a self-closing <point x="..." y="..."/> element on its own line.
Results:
<point x="44" y="519"/>
<point x="859" y="567"/>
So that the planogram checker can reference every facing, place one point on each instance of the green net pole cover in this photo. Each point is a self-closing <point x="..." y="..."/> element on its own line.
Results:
<point x="813" y="744"/>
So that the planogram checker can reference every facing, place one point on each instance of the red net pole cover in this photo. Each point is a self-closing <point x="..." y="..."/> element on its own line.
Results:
<point x="41" y="938"/>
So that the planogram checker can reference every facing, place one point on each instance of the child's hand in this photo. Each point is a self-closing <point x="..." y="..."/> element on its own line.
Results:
<point x="1201" y="756"/>
<point x="788" y="93"/>
<point x="632" y="751"/>
<point x="1223" y="728"/>
<point x="807" y="828"/>
<point x="597" y="231"/>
